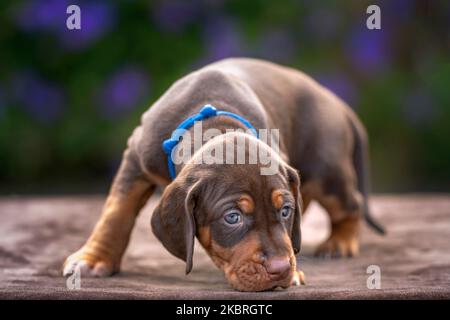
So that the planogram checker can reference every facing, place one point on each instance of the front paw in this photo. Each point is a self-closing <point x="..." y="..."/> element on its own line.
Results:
<point x="89" y="264"/>
<point x="298" y="278"/>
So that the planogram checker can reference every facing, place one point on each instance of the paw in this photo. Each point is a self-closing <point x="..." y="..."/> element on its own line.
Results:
<point x="298" y="278"/>
<point x="337" y="247"/>
<point x="88" y="265"/>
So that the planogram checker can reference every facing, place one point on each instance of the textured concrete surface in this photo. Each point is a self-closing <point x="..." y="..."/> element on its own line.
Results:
<point x="37" y="233"/>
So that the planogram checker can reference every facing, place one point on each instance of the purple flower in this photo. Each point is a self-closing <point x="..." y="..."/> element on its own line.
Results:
<point x="368" y="50"/>
<point x="175" y="15"/>
<point x="123" y="91"/>
<point x="97" y="19"/>
<point x="418" y="108"/>
<point x="340" y="85"/>
<point x="221" y="39"/>
<point x="39" y="98"/>
<point x="277" y="45"/>
<point x="39" y="15"/>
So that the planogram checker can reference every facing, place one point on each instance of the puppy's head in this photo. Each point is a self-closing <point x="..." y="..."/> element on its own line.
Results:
<point x="248" y="223"/>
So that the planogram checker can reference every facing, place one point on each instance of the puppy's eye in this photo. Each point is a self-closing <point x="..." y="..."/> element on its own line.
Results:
<point x="233" y="217"/>
<point x="286" y="212"/>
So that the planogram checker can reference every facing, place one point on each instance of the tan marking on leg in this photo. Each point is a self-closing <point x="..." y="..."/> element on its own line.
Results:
<point x="343" y="241"/>
<point x="110" y="237"/>
<point x="111" y="234"/>
<point x="345" y="225"/>
<point x="345" y="216"/>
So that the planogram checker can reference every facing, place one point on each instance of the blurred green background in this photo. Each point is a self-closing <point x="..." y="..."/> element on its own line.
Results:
<point x="70" y="99"/>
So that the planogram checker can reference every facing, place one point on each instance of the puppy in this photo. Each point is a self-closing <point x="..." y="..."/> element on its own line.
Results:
<point x="248" y="221"/>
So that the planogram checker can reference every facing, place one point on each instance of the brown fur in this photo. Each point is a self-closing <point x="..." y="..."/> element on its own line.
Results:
<point x="320" y="137"/>
<point x="243" y="265"/>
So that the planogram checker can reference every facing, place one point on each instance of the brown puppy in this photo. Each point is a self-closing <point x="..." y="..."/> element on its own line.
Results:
<point x="248" y="223"/>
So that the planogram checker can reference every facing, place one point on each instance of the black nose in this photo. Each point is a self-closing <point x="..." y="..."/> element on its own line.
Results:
<point x="278" y="268"/>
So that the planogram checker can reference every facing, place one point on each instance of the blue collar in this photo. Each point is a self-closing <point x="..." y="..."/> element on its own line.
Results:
<point x="206" y="112"/>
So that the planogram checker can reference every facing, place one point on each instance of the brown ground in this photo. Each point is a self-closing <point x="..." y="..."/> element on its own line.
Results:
<point x="37" y="233"/>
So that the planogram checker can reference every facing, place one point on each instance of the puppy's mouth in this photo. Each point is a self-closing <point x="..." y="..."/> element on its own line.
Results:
<point x="251" y="276"/>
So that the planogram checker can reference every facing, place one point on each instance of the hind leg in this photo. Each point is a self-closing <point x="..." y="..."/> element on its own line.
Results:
<point x="102" y="253"/>
<point x="344" y="204"/>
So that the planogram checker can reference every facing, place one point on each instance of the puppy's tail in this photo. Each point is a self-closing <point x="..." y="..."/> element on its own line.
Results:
<point x="361" y="163"/>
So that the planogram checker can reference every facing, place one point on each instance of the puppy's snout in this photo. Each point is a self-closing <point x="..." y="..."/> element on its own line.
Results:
<point x="278" y="268"/>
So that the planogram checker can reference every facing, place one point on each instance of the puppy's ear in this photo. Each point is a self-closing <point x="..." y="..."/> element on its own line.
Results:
<point x="294" y="183"/>
<point x="173" y="221"/>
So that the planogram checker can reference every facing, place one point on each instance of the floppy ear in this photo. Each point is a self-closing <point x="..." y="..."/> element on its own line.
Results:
<point x="173" y="221"/>
<point x="294" y="183"/>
